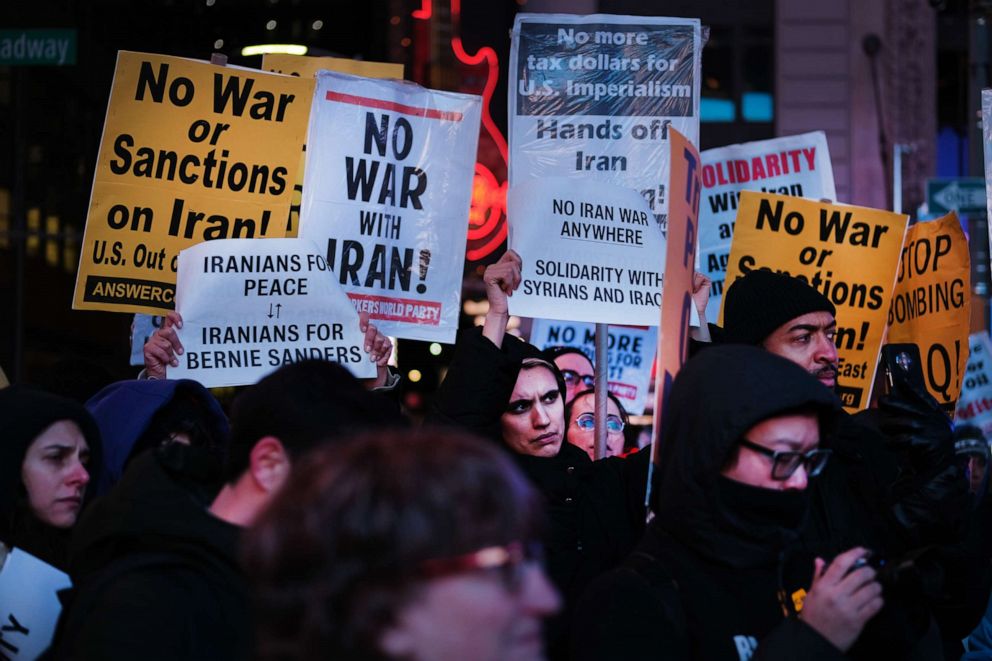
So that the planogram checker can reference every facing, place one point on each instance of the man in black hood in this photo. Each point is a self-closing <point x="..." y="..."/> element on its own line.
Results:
<point x="716" y="575"/>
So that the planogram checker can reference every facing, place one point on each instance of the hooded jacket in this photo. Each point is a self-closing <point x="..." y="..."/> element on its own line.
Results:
<point x="125" y="410"/>
<point x="24" y="414"/>
<point x="156" y="575"/>
<point x="704" y="582"/>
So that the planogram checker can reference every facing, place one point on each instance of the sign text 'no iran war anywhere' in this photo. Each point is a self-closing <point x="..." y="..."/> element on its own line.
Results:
<point x="190" y="152"/>
<point x="590" y="253"/>
<point x="386" y="195"/>
<point x="849" y="254"/>
<point x="796" y="165"/>
<point x="630" y="354"/>
<point x="595" y="97"/>
<point x="931" y="305"/>
<point x="250" y="307"/>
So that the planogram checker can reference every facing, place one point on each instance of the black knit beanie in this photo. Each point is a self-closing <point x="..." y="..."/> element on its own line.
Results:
<point x="761" y="301"/>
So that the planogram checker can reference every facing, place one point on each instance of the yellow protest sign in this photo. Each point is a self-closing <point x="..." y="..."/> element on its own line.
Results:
<point x="686" y="186"/>
<point x="302" y="65"/>
<point x="307" y="67"/>
<point x="931" y="305"/>
<point x="190" y="152"/>
<point x="849" y="254"/>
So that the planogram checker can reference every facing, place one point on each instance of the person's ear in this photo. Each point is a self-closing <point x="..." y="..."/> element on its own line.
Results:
<point x="269" y="464"/>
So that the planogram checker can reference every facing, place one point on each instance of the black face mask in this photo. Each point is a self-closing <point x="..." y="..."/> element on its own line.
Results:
<point x="762" y="509"/>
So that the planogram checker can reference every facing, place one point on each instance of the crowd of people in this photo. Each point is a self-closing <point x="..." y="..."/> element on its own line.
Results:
<point x="313" y="520"/>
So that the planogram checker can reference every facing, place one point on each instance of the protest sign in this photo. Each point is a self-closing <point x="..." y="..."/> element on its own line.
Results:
<point x="630" y="354"/>
<point x="29" y="606"/>
<point x="796" y="165"/>
<point x="386" y="195"/>
<point x="931" y="304"/>
<point x="590" y="253"/>
<point x="250" y="307"/>
<point x="683" y="232"/>
<point x="307" y="67"/>
<point x="987" y="143"/>
<point x="849" y="254"/>
<point x="975" y="403"/>
<point x="141" y="330"/>
<point x="190" y="152"/>
<point x="594" y="97"/>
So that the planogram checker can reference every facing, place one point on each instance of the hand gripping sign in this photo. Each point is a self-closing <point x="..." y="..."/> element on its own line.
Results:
<point x="250" y="307"/>
<point x="931" y="305"/>
<point x="849" y="254"/>
<point x="796" y="165"/>
<point x="594" y="97"/>
<point x="386" y="197"/>
<point x="190" y="152"/>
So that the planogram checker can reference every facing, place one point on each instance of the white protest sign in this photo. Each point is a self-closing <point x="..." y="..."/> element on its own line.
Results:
<point x="141" y="330"/>
<point x="594" y="97"/>
<point x="386" y="196"/>
<point x="592" y="253"/>
<point x="29" y="606"/>
<point x="630" y="351"/>
<point x="796" y="165"/>
<point x="975" y="402"/>
<point x="252" y="306"/>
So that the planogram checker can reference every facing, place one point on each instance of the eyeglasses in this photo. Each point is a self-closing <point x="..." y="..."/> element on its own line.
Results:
<point x="511" y="560"/>
<point x="573" y="378"/>
<point x="784" y="464"/>
<point x="587" y="422"/>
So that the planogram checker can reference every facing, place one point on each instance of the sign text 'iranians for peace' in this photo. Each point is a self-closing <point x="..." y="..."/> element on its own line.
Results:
<point x="630" y="354"/>
<point x="386" y="196"/>
<point x="250" y="307"/>
<point x="594" y="97"/>
<point x="849" y="254"/>
<point x="190" y="152"/>
<point x="796" y="165"/>
<point x="931" y="305"/>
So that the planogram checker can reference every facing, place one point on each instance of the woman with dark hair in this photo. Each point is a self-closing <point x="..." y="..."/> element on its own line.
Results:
<point x="503" y="389"/>
<point x="400" y="545"/>
<point x="47" y="450"/>
<point x="581" y="423"/>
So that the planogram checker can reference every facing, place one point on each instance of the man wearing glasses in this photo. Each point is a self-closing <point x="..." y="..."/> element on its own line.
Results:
<point x="576" y="367"/>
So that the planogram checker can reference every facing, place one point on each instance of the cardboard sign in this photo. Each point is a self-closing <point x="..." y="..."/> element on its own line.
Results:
<point x="190" y="152"/>
<point x="590" y="253"/>
<point x="683" y="231"/>
<point x="849" y="254"/>
<point x="595" y="97"/>
<point x="307" y="67"/>
<point x="630" y="350"/>
<point x="931" y="305"/>
<point x="975" y="402"/>
<point x="386" y="197"/>
<point x="142" y="328"/>
<point x="250" y="307"/>
<point x="29" y="606"/>
<point x="796" y="165"/>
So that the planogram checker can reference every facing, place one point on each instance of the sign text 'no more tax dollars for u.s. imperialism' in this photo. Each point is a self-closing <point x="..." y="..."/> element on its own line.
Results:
<point x="190" y="152"/>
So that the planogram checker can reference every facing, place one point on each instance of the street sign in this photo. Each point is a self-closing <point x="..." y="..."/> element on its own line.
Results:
<point x="966" y="195"/>
<point x="37" y="47"/>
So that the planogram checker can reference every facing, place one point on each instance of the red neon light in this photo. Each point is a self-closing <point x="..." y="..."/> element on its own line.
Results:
<point x="425" y="11"/>
<point x="429" y="113"/>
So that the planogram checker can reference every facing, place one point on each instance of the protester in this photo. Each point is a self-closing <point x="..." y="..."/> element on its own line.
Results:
<point x="712" y="576"/>
<point x="576" y="368"/>
<point x="973" y="452"/>
<point x="48" y="447"/>
<point x="500" y="387"/>
<point x="400" y="546"/>
<point x="581" y="421"/>
<point x="157" y="573"/>
<point x="135" y="416"/>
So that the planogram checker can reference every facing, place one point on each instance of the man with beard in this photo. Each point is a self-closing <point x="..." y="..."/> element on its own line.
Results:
<point x="893" y="485"/>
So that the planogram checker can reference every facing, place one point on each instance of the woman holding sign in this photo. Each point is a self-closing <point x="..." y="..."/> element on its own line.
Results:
<point x="502" y="388"/>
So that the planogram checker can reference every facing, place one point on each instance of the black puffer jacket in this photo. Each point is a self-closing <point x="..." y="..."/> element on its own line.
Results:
<point x="704" y="582"/>
<point x="595" y="509"/>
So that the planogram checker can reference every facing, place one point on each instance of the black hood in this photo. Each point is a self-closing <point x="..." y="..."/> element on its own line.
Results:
<point x="716" y="398"/>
